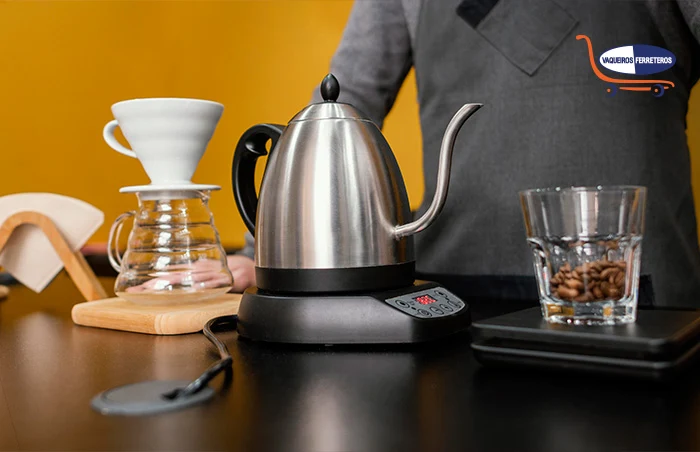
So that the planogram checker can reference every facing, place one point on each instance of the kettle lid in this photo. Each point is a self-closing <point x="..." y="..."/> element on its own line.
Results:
<point x="329" y="108"/>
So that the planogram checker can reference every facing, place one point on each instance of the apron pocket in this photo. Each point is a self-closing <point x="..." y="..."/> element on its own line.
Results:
<point x="525" y="32"/>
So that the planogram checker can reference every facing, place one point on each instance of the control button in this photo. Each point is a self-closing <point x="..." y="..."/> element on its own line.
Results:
<point x="436" y="310"/>
<point x="446" y="308"/>
<point x="453" y="303"/>
<point x="403" y="304"/>
<point x="424" y="312"/>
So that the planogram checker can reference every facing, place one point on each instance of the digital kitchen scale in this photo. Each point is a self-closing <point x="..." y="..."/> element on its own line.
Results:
<point x="418" y="313"/>
<point x="660" y="344"/>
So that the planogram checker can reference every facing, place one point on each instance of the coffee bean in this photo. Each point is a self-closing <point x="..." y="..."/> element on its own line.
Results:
<point x="598" y="293"/>
<point x="620" y="279"/>
<point x="584" y="297"/>
<point x="566" y="293"/>
<point x="605" y="274"/>
<point x="574" y="284"/>
<point x="590" y="281"/>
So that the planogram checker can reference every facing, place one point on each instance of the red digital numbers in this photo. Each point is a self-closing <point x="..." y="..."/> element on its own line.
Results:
<point x="425" y="299"/>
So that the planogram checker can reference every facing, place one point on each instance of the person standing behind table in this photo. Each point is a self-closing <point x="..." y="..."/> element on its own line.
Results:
<point x="546" y="121"/>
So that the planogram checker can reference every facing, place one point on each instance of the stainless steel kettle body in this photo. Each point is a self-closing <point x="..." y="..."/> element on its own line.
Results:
<point x="333" y="212"/>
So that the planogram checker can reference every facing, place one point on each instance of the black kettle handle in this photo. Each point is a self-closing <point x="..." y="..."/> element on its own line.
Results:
<point x="250" y="147"/>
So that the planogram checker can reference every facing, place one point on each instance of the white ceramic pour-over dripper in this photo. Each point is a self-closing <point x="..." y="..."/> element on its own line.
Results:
<point x="168" y="136"/>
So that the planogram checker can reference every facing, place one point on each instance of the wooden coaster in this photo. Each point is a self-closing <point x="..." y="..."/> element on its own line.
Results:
<point x="118" y="314"/>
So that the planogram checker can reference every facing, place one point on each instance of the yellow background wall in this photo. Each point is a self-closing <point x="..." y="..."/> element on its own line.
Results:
<point x="63" y="63"/>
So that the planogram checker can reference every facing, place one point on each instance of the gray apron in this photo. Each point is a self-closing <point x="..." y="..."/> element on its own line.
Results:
<point x="547" y="121"/>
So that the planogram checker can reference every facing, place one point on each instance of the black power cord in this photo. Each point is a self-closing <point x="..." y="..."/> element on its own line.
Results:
<point x="159" y="396"/>
<point x="225" y="362"/>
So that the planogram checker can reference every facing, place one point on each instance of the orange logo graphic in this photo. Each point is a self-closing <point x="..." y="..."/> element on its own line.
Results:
<point x="656" y="87"/>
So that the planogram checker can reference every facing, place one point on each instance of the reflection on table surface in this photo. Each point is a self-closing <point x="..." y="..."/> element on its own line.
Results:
<point x="426" y="397"/>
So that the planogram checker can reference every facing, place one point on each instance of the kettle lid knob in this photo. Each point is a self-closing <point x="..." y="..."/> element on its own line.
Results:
<point x="330" y="88"/>
<point x="329" y="107"/>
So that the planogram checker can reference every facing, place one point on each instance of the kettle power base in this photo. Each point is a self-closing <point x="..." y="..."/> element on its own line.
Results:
<point x="659" y="345"/>
<point x="418" y="313"/>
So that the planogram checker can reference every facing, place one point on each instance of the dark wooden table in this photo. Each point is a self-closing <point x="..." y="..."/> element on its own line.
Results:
<point x="430" y="398"/>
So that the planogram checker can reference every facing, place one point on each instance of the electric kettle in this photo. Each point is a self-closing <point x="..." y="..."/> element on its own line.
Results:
<point x="332" y="214"/>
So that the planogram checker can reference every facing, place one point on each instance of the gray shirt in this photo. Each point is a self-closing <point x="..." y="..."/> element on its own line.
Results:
<point x="378" y="44"/>
<point x="375" y="53"/>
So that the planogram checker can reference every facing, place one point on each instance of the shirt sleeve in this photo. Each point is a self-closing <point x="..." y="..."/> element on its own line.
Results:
<point x="373" y="58"/>
<point x="248" y="249"/>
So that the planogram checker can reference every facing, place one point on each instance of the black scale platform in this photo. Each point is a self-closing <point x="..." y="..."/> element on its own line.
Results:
<point x="660" y="344"/>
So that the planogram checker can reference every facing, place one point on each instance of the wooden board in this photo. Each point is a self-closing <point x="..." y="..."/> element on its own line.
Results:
<point x="118" y="314"/>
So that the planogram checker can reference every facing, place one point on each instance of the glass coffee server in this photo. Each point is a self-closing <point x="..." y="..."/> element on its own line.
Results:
<point x="173" y="254"/>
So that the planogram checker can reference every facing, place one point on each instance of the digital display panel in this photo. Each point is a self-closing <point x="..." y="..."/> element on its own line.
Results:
<point x="425" y="299"/>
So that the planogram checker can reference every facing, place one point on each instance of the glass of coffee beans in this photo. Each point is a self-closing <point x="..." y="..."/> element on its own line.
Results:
<point x="587" y="245"/>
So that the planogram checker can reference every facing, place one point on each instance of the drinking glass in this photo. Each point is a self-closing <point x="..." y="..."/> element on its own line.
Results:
<point x="586" y="244"/>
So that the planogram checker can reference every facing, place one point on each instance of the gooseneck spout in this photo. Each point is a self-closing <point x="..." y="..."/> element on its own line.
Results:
<point x="443" y="178"/>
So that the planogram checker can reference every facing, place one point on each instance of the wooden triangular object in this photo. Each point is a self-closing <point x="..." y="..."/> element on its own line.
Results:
<point x="73" y="261"/>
